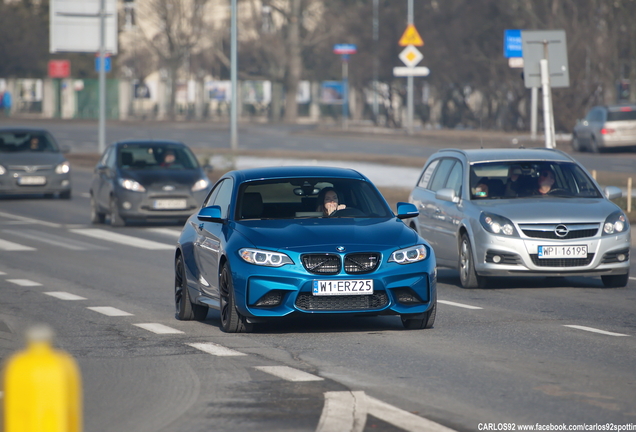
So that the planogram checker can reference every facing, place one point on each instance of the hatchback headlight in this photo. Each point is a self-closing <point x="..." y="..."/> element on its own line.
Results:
<point x="498" y="225"/>
<point x="200" y="185"/>
<point x="264" y="258"/>
<point x="63" y="168"/>
<point x="615" y="223"/>
<point x="409" y="255"/>
<point x="131" y="185"/>
<point x="2" y="170"/>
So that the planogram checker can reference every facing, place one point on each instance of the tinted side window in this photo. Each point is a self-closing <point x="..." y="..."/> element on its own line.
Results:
<point x="455" y="178"/>
<point x="223" y="197"/>
<point x="428" y="172"/>
<point x="441" y="174"/>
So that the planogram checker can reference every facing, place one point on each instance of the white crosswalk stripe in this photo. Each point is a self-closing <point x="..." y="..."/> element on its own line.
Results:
<point x="14" y="247"/>
<point x="55" y="240"/>
<point x="109" y="311"/>
<point x="289" y="374"/>
<point x="158" y="328"/>
<point x="122" y="239"/>
<point x="24" y="282"/>
<point x="215" y="349"/>
<point x="64" y="295"/>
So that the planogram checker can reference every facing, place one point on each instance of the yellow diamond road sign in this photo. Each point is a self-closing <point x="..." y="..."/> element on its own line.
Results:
<point x="411" y="37"/>
<point x="411" y="56"/>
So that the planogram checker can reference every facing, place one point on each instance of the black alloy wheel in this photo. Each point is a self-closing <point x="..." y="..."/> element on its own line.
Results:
<point x="231" y="320"/>
<point x="420" y="321"/>
<point x="96" y="215"/>
<point x="184" y="309"/>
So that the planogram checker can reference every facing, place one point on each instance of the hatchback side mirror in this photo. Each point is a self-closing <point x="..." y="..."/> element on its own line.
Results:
<point x="612" y="192"/>
<point x="447" y="194"/>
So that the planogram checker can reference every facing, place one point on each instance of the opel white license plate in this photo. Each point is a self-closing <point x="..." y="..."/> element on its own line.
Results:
<point x="169" y="204"/>
<point x="343" y="287"/>
<point x="563" y="251"/>
<point x="31" y="180"/>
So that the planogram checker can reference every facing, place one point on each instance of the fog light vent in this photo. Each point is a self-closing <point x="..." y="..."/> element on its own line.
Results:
<point x="271" y="299"/>
<point x="407" y="296"/>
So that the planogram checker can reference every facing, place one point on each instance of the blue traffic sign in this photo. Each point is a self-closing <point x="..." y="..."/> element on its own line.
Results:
<point x="345" y="49"/>
<point x="106" y="64"/>
<point x="513" y="46"/>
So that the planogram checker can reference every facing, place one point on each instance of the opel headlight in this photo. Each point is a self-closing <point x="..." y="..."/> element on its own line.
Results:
<point x="264" y="258"/>
<point x="131" y="185"/>
<point x="2" y="170"/>
<point x="409" y="255"/>
<point x="499" y="225"/>
<point x="63" y="168"/>
<point x="200" y="185"/>
<point x="615" y="223"/>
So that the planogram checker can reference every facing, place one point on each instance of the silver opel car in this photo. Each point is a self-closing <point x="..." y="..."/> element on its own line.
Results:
<point x="520" y="212"/>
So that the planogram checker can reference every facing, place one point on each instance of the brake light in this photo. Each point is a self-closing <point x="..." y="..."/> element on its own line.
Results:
<point x="626" y="109"/>
<point x="606" y="131"/>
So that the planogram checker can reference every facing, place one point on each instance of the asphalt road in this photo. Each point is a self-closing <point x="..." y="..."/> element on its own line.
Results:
<point x="524" y="351"/>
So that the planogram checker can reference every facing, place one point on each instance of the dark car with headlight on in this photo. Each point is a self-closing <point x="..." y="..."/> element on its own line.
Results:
<point x="488" y="212"/>
<point x="32" y="163"/>
<point x="147" y="181"/>
<point x="258" y="249"/>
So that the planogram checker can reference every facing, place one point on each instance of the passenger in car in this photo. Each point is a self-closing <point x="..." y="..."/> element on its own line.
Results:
<point x="329" y="201"/>
<point x="545" y="182"/>
<point x="513" y="183"/>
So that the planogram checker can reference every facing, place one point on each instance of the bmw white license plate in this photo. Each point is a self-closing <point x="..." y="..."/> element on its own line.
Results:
<point x="32" y="180"/>
<point x="169" y="204"/>
<point x="563" y="251"/>
<point x="343" y="287"/>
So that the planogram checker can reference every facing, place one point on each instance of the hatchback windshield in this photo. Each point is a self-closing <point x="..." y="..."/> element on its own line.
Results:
<point x="310" y="198"/>
<point x="514" y="179"/>
<point x="623" y="114"/>
<point x="149" y="156"/>
<point x="20" y="141"/>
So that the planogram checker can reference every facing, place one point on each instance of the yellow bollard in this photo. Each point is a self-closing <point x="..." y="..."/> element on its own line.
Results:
<point x="42" y="388"/>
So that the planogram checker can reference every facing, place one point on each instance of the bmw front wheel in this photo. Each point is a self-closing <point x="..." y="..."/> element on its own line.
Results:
<point x="185" y="310"/>
<point x="231" y="320"/>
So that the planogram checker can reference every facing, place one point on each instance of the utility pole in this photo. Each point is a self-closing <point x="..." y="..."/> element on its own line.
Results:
<point x="409" y="82"/>
<point x="233" y="77"/>
<point x="102" y="78"/>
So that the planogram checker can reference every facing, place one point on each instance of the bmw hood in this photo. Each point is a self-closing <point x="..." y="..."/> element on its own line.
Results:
<point x="31" y="158"/>
<point x="148" y="178"/>
<point x="326" y="234"/>
<point x="551" y="210"/>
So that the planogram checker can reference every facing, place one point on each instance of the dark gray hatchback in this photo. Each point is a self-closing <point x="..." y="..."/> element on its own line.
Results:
<point x="32" y="163"/>
<point x="147" y="180"/>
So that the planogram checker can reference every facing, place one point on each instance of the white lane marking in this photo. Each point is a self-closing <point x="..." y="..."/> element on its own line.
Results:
<point x="349" y="410"/>
<point x="10" y="246"/>
<point x="64" y="295"/>
<point x="2" y="273"/>
<point x="289" y="374"/>
<point x="343" y="411"/>
<point x="158" y="328"/>
<point x="24" y="219"/>
<point x="24" y="282"/>
<point x="54" y="240"/>
<point x="633" y="278"/>
<point x="214" y="349"/>
<point x="594" y="330"/>
<point x="123" y="239"/>
<point x="109" y="311"/>
<point x="85" y="195"/>
<point x="461" y="305"/>
<point x="166" y="231"/>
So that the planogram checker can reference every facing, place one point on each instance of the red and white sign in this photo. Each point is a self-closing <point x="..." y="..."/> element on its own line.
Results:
<point x="59" y="68"/>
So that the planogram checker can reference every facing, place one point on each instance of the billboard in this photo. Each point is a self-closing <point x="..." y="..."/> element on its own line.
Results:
<point x="75" y="26"/>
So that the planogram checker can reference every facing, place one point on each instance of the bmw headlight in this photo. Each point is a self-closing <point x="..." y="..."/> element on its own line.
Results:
<point x="264" y="258"/>
<point x="131" y="185"/>
<point x="200" y="185"/>
<point x="2" y="170"/>
<point x="409" y="255"/>
<point x="63" y="168"/>
<point x="498" y="225"/>
<point x="615" y="223"/>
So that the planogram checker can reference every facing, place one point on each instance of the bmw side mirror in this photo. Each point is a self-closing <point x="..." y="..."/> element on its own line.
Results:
<point x="406" y="210"/>
<point x="612" y="192"/>
<point x="210" y="214"/>
<point x="447" y="194"/>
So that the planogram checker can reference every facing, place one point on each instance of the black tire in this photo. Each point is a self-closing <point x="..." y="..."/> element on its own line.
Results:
<point x="594" y="146"/>
<point x="420" y="321"/>
<point x="467" y="275"/>
<point x="97" y="217"/>
<point x="65" y="195"/>
<point x="576" y="145"/>
<point x="231" y="320"/>
<point x="615" y="281"/>
<point x="115" y="219"/>
<point x="185" y="310"/>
